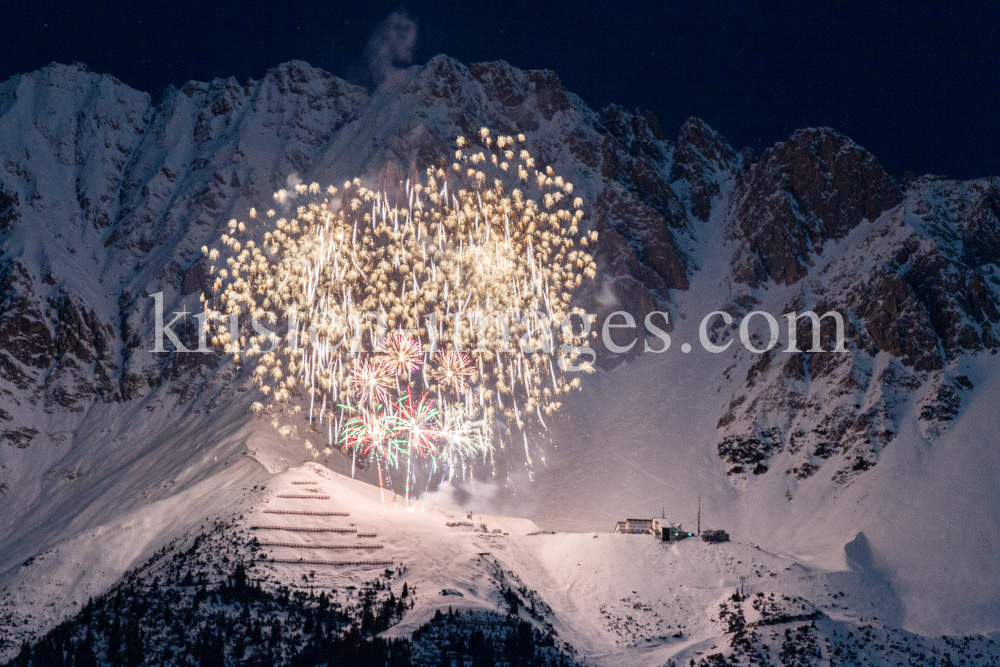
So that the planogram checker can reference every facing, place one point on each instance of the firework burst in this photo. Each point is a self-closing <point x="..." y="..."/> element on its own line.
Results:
<point x="371" y="433"/>
<point x="371" y="381"/>
<point x="374" y="283"/>
<point x="402" y="355"/>
<point x="452" y="370"/>
<point x="417" y="421"/>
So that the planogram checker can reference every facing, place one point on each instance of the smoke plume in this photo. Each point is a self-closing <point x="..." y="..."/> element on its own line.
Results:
<point x="390" y="46"/>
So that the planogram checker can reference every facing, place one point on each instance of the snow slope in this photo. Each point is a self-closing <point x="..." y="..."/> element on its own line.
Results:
<point x="107" y="450"/>
<point x="610" y="598"/>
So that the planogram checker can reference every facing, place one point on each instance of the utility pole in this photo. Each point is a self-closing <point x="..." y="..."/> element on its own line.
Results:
<point x="699" y="515"/>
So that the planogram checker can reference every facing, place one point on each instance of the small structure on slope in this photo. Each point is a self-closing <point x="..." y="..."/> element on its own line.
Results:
<point x="634" y="526"/>
<point x="669" y="532"/>
<point x="714" y="536"/>
<point x="659" y="528"/>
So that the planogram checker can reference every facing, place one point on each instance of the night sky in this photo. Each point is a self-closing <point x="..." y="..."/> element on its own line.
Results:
<point x="917" y="83"/>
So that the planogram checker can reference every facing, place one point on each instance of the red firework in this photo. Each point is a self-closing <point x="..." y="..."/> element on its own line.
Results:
<point x="415" y="420"/>
<point x="372" y="432"/>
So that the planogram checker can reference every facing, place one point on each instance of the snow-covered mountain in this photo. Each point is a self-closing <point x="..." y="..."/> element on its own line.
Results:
<point x="315" y="554"/>
<point x="107" y="451"/>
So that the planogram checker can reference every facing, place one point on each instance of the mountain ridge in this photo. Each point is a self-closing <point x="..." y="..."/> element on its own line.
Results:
<point x="106" y="198"/>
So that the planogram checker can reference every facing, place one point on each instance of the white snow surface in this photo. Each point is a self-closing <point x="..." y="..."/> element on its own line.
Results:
<point x="613" y="597"/>
<point x="106" y="486"/>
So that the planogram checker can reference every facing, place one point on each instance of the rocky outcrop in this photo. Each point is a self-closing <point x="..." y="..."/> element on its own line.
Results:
<point x="920" y="298"/>
<point x="813" y="188"/>
<point x="106" y="199"/>
<point x="58" y="352"/>
<point x="10" y="202"/>
<point x="703" y="160"/>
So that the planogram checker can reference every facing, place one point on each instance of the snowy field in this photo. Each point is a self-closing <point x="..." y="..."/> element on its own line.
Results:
<point x="614" y="598"/>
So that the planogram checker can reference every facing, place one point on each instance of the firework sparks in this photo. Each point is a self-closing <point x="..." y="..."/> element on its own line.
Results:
<point x="456" y="260"/>
<point x="402" y="355"/>
<point x="418" y="421"/>
<point x="371" y="381"/>
<point x="452" y="370"/>
<point x="465" y="440"/>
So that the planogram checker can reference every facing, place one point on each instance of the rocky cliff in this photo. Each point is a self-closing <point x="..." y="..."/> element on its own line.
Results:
<point x="106" y="197"/>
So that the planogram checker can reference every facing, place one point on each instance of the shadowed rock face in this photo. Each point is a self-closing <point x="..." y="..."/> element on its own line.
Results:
<point x="106" y="199"/>
<point x="920" y="296"/>
<point x="811" y="189"/>
<point x="704" y="160"/>
<point x="640" y="133"/>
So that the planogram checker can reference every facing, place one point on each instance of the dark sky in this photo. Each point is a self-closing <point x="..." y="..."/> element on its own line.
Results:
<point x="917" y="83"/>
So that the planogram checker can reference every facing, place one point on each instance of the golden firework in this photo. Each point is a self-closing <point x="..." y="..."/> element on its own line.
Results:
<point x="472" y="268"/>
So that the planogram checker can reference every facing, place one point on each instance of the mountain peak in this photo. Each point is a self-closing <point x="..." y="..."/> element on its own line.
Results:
<point x="704" y="159"/>
<point x="638" y="131"/>
<point x="74" y="79"/>
<point x="812" y="188"/>
<point x="105" y="200"/>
